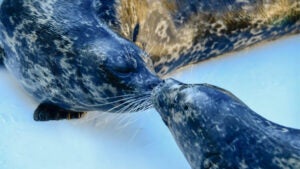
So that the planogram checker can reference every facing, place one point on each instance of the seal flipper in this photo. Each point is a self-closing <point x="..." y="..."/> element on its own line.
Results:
<point x="135" y="32"/>
<point x="49" y="111"/>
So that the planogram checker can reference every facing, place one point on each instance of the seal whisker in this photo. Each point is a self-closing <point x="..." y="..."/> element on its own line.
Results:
<point x="122" y="99"/>
<point x="116" y="101"/>
<point x="135" y="106"/>
<point x="129" y="102"/>
<point x="120" y="113"/>
<point x="113" y="108"/>
<point x="92" y="116"/>
<point x="122" y="104"/>
<point x="113" y="97"/>
<point x="140" y="106"/>
<point x="127" y="108"/>
<point x="134" y="103"/>
<point x="144" y="105"/>
<point x="150" y="105"/>
<point x="112" y="102"/>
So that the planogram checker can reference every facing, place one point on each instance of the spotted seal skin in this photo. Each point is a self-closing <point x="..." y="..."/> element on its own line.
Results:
<point x="214" y="129"/>
<point x="70" y="61"/>
<point x="178" y="33"/>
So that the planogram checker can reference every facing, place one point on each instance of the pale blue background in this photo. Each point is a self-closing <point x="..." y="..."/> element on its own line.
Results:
<point x="266" y="77"/>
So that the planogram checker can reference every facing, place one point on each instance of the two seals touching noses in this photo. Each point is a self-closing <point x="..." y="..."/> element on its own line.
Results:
<point x="214" y="129"/>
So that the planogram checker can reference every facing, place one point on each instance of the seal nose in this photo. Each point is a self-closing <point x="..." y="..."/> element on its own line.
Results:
<point x="172" y="84"/>
<point x="165" y="86"/>
<point x="152" y="82"/>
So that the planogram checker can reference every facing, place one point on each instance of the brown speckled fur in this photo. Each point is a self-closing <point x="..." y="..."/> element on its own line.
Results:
<point x="167" y="41"/>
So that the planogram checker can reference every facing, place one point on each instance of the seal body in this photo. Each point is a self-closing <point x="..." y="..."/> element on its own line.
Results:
<point x="214" y="129"/>
<point x="63" y="55"/>
<point x="178" y="33"/>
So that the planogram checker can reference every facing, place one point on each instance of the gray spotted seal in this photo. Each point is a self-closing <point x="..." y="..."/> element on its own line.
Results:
<point x="214" y="129"/>
<point x="70" y="61"/>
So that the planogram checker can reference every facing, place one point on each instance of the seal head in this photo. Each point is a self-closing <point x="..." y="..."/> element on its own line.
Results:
<point x="67" y="59"/>
<point x="214" y="129"/>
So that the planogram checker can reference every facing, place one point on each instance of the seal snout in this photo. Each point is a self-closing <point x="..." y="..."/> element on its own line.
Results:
<point x="162" y="87"/>
<point x="152" y="82"/>
<point x="163" y="93"/>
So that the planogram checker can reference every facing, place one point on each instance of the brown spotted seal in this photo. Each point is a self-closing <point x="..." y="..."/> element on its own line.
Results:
<point x="178" y="33"/>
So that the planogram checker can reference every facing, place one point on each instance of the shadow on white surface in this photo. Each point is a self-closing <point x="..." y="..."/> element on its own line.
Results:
<point x="265" y="77"/>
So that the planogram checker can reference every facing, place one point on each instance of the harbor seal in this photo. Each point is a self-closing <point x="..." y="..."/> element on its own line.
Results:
<point x="214" y="129"/>
<point x="70" y="61"/>
<point x="179" y="33"/>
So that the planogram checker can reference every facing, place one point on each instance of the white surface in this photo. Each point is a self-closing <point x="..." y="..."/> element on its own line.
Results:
<point x="265" y="77"/>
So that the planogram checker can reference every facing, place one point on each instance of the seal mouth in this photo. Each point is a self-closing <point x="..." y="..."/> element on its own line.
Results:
<point x="165" y="87"/>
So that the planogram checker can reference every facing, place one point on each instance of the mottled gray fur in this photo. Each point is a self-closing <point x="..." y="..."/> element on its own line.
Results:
<point x="215" y="130"/>
<point x="63" y="55"/>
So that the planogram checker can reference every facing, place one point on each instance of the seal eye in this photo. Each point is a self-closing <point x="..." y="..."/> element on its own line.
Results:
<point x="122" y="68"/>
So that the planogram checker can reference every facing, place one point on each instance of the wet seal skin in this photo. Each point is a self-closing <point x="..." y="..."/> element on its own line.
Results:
<point x="216" y="130"/>
<point x="70" y="61"/>
<point x="177" y="33"/>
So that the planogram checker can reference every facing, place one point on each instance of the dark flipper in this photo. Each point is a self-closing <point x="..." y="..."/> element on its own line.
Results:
<point x="48" y="111"/>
